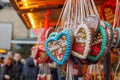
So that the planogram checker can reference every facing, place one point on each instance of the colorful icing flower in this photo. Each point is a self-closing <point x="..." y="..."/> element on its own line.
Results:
<point x="95" y="50"/>
<point x="59" y="56"/>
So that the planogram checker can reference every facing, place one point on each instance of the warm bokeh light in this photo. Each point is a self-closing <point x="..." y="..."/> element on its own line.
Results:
<point x="2" y="51"/>
<point x="31" y="20"/>
<point x="21" y="4"/>
<point x="32" y="12"/>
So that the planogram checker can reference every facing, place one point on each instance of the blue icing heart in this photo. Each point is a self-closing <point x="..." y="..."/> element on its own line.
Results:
<point x="67" y="45"/>
<point x="54" y="33"/>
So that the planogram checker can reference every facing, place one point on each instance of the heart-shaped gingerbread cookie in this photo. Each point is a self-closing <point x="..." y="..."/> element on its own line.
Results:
<point x="58" y="47"/>
<point x="81" y="45"/>
<point x="40" y="55"/>
<point x="98" y="45"/>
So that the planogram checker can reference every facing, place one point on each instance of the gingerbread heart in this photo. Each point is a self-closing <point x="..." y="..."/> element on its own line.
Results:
<point x="58" y="47"/>
<point x="81" y="45"/>
<point x="117" y="37"/>
<point x="40" y="54"/>
<point x="93" y="22"/>
<point x="98" y="45"/>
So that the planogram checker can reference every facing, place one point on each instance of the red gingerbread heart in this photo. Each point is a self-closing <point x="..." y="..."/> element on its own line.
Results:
<point x="81" y="45"/>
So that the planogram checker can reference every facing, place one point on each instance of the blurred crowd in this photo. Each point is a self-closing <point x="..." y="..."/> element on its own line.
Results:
<point x="16" y="68"/>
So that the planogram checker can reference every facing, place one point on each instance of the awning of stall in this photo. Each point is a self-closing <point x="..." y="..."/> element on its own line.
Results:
<point x="32" y="12"/>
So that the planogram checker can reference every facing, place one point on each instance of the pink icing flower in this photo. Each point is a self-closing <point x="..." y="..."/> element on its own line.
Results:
<point x="59" y="56"/>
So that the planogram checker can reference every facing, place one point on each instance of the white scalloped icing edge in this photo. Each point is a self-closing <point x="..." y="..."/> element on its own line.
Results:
<point x="88" y="41"/>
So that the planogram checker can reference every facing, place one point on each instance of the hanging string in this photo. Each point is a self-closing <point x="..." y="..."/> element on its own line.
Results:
<point x="79" y="12"/>
<point x="83" y="10"/>
<point x="76" y="16"/>
<point x="116" y="13"/>
<point x="67" y="73"/>
<point x="70" y="71"/>
<point x="86" y="9"/>
<point x="81" y="7"/>
<point x="69" y="15"/>
<point x="116" y="70"/>
<point x="65" y="15"/>
<point x="90" y="7"/>
<point x="94" y="8"/>
<point x="60" y="15"/>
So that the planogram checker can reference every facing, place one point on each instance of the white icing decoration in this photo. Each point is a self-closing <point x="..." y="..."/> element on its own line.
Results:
<point x="96" y="42"/>
<point x="58" y="43"/>
<point x="54" y="48"/>
<point x="78" y="40"/>
<point x="87" y="41"/>
<point x="59" y="58"/>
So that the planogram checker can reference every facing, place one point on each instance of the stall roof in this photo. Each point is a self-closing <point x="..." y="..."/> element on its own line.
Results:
<point x="32" y="12"/>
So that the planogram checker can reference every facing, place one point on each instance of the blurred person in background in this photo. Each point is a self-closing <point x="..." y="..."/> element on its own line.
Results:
<point x="30" y="69"/>
<point x="23" y="61"/>
<point x="1" y="61"/>
<point x="18" y="64"/>
<point x="8" y="71"/>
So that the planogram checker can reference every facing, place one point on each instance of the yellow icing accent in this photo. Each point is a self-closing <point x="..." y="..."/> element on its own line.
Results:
<point x="64" y="37"/>
<point x="64" y="48"/>
<point x="49" y="44"/>
<point x="83" y="30"/>
<point x="99" y="34"/>
<point x="83" y="35"/>
<point x="83" y="45"/>
<point x="53" y="53"/>
<point x="98" y="37"/>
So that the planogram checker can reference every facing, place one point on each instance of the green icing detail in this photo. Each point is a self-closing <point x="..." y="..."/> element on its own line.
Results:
<point x="108" y="24"/>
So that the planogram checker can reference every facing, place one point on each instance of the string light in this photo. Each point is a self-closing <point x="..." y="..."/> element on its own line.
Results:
<point x="31" y="20"/>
